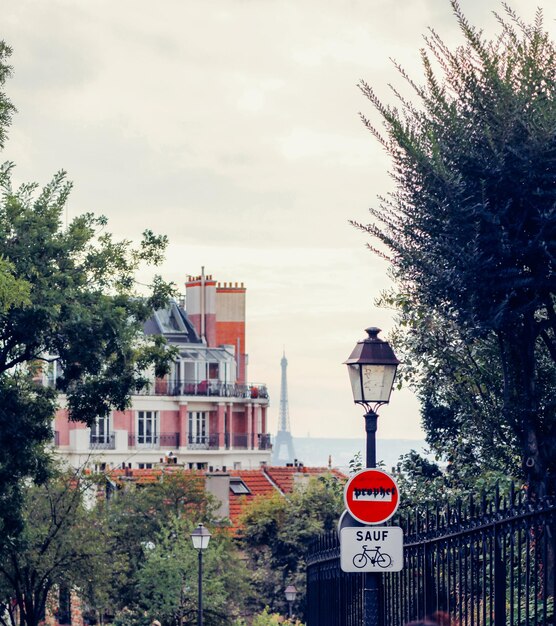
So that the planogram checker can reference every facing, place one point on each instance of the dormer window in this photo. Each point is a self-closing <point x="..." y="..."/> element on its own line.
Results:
<point x="238" y="487"/>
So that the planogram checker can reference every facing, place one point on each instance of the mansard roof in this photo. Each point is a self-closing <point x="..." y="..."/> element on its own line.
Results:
<point x="173" y="323"/>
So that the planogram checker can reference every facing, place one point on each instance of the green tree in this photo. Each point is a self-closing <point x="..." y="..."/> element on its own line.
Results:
<point x="469" y="234"/>
<point x="67" y="296"/>
<point x="61" y="544"/>
<point x="138" y="514"/>
<point x="167" y="580"/>
<point x="277" y="532"/>
<point x="7" y="109"/>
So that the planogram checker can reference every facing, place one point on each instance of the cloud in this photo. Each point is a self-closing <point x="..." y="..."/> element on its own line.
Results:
<point x="233" y="127"/>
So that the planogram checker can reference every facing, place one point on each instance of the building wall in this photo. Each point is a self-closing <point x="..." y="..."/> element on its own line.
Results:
<point x="200" y="293"/>
<point x="230" y="322"/>
<point x="234" y="438"/>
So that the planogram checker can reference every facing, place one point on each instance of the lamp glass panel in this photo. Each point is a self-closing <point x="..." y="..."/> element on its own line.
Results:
<point x="355" y="381"/>
<point x="377" y="382"/>
<point x="290" y="593"/>
<point x="200" y="541"/>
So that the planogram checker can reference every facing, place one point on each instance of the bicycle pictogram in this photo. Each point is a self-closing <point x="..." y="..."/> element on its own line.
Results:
<point x="376" y="557"/>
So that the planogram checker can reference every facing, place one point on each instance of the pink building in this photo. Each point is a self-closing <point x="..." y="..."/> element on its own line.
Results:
<point x="203" y="415"/>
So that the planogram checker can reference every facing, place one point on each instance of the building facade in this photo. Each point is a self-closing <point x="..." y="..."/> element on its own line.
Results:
<point x="203" y="415"/>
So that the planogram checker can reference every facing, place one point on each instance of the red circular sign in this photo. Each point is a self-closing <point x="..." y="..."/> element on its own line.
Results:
<point x="371" y="496"/>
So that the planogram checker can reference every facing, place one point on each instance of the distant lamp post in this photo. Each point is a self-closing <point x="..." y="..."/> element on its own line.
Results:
<point x="290" y="592"/>
<point x="200" y="538"/>
<point x="372" y="368"/>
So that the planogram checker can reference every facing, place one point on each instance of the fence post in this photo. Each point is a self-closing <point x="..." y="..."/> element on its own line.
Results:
<point x="499" y="580"/>
<point x="428" y="582"/>
<point x="428" y="572"/>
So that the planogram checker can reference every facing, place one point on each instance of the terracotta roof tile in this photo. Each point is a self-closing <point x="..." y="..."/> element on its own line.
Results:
<point x="262" y="482"/>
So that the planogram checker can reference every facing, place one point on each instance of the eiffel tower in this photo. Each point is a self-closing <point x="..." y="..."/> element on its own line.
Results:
<point x="284" y="436"/>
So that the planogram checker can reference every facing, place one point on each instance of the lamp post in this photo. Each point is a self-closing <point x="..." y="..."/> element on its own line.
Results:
<point x="290" y="592"/>
<point x="200" y="538"/>
<point x="372" y="368"/>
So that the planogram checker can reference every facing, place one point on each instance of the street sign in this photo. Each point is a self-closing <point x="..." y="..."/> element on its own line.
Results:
<point x="371" y="496"/>
<point x="347" y="521"/>
<point x="371" y="549"/>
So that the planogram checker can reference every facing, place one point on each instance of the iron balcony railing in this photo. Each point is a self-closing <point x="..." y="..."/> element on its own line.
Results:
<point x="240" y="441"/>
<point x="264" y="442"/>
<point x="160" y="440"/>
<point x="203" y="442"/>
<point x="204" y="388"/>
<point x="102" y="442"/>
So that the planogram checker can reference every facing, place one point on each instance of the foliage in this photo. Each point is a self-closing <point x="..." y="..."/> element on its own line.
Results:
<point x="68" y="299"/>
<point x="356" y="463"/>
<point x="266" y="618"/>
<point x="167" y="581"/>
<point x="278" y="531"/>
<point x="469" y="234"/>
<point x="423" y="483"/>
<point x="137" y="515"/>
<point x="61" y="544"/>
<point x="6" y="107"/>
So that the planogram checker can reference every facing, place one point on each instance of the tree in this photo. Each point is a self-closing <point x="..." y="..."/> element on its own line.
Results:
<point x="7" y="109"/>
<point x="469" y="234"/>
<point x="61" y="544"/>
<point x="167" y="580"/>
<point x="277" y="532"/>
<point x="137" y="516"/>
<point x="67" y="297"/>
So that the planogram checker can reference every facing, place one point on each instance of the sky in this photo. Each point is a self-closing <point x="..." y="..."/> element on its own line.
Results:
<point x="232" y="126"/>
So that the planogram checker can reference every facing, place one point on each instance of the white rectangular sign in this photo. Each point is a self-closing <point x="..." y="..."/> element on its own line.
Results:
<point x="371" y="549"/>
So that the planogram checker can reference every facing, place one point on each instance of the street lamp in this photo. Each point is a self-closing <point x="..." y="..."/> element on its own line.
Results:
<point x="200" y="538"/>
<point x="372" y="368"/>
<point x="290" y="592"/>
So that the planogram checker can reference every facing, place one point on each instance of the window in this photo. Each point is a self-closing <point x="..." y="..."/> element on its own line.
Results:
<point x="144" y="465"/>
<point x="238" y="487"/>
<point x="213" y="371"/>
<point x="147" y="428"/>
<point x="100" y="430"/>
<point x="198" y="427"/>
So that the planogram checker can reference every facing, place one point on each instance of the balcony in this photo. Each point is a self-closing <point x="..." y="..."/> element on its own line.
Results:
<point x="203" y="442"/>
<point x="212" y="388"/>
<point x="161" y="440"/>
<point x="264" y="442"/>
<point x="102" y="442"/>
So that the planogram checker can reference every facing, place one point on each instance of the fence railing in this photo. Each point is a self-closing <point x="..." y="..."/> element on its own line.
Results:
<point x="241" y="441"/>
<point x="485" y="563"/>
<point x="205" y="388"/>
<point x="203" y="442"/>
<point x="106" y="441"/>
<point x="161" y="440"/>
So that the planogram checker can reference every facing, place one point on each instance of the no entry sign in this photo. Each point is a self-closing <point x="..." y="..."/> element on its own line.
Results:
<point x="371" y="496"/>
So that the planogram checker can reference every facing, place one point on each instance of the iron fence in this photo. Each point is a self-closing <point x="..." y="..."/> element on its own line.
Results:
<point x="485" y="562"/>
